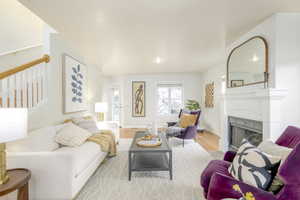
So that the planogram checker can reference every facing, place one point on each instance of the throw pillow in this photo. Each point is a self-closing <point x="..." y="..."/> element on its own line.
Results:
<point x="273" y="149"/>
<point x="252" y="166"/>
<point x="87" y="123"/>
<point x="187" y="120"/>
<point x="72" y="135"/>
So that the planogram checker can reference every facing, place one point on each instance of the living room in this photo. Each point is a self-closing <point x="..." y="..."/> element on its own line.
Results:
<point x="177" y="100"/>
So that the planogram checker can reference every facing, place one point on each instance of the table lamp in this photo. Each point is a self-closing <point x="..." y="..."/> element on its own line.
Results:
<point x="13" y="126"/>
<point x="101" y="108"/>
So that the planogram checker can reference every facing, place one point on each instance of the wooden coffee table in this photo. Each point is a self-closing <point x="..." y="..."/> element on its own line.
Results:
<point x="18" y="180"/>
<point x="150" y="158"/>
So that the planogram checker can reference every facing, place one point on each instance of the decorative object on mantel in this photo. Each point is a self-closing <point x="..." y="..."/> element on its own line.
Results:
<point x="75" y="85"/>
<point x="237" y="83"/>
<point x="101" y="108"/>
<point x="209" y="95"/>
<point x="247" y="63"/>
<point x="192" y="105"/>
<point x="149" y="140"/>
<point x="138" y="98"/>
<point x="13" y="126"/>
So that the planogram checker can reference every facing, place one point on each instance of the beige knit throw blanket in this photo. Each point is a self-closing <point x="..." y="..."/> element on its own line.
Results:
<point x="106" y="140"/>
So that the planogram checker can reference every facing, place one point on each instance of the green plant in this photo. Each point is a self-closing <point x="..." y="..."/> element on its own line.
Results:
<point x="192" y="105"/>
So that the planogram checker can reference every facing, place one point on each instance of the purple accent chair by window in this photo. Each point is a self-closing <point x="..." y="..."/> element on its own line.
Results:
<point x="217" y="182"/>
<point x="190" y="132"/>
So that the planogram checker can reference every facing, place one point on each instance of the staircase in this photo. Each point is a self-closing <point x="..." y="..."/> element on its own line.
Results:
<point x="24" y="86"/>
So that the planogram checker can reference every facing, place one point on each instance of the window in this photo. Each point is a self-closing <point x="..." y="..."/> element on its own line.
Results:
<point x="115" y="104"/>
<point x="169" y="99"/>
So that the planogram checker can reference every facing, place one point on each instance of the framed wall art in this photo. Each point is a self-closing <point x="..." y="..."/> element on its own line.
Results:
<point x="75" y="85"/>
<point x="138" y="99"/>
<point x="209" y="95"/>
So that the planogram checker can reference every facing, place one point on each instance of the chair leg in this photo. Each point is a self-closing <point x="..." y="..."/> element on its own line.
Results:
<point x="183" y="142"/>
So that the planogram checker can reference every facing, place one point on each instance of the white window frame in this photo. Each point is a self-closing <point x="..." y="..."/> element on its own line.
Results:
<point x="168" y="84"/>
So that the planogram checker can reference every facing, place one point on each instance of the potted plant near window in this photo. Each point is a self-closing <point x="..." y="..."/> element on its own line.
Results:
<point x="192" y="105"/>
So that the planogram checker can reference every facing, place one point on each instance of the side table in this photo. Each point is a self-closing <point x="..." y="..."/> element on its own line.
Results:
<point x="18" y="180"/>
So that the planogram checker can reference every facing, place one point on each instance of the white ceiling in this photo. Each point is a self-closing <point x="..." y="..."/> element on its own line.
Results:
<point x="125" y="36"/>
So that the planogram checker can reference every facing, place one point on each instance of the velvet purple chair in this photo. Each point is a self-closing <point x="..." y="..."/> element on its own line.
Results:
<point x="217" y="182"/>
<point x="184" y="133"/>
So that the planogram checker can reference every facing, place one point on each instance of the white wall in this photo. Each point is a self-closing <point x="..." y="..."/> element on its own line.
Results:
<point x="192" y="90"/>
<point x="288" y="65"/>
<point x="12" y="60"/>
<point x="19" y="27"/>
<point x="52" y="111"/>
<point x="211" y="116"/>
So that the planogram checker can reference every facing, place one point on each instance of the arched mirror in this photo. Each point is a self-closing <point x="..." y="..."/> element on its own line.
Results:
<point x="247" y="64"/>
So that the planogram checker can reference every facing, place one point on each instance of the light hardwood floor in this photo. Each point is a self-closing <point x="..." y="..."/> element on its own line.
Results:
<point x="209" y="141"/>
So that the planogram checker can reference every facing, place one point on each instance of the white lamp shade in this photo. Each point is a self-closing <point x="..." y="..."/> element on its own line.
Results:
<point x="101" y="107"/>
<point x="13" y="124"/>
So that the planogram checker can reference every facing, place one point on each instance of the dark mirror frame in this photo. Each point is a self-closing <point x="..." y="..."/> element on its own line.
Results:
<point x="266" y="73"/>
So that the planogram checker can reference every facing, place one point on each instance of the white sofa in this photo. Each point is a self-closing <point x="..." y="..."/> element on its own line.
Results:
<point x="58" y="173"/>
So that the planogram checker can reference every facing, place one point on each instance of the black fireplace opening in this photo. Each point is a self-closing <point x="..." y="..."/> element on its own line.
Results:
<point x="240" y="128"/>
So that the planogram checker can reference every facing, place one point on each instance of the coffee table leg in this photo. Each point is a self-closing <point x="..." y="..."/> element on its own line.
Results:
<point x="23" y="192"/>
<point x="170" y="165"/>
<point x="129" y="166"/>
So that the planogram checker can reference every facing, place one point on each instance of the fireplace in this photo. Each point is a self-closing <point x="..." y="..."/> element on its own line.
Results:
<point x="240" y="129"/>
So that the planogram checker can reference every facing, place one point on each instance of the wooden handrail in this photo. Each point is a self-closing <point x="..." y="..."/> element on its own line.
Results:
<point x="45" y="58"/>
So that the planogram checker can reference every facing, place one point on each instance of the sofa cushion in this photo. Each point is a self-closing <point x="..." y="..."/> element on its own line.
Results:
<point x="36" y="141"/>
<point x="215" y="166"/>
<point x="82" y="155"/>
<point x="72" y="135"/>
<point x="253" y="167"/>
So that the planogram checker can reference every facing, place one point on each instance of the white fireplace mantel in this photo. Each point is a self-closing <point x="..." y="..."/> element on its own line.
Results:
<point x="258" y="104"/>
<point x="271" y="93"/>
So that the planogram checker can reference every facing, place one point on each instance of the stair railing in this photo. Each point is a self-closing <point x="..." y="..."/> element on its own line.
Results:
<point x="24" y="86"/>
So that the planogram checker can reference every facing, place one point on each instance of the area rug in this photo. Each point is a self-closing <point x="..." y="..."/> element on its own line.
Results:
<point x="110" y="181"/>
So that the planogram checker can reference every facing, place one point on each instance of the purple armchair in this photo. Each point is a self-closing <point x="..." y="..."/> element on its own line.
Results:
<point x="217" y="182"/>
<point x="184" y="133"/>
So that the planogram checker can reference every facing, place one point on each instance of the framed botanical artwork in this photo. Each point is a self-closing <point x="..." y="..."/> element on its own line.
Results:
<point x="75" y="85"/>
<point x="237" y="83"/>
<point x="138" y="99"/>
<point x="209" y="95"/>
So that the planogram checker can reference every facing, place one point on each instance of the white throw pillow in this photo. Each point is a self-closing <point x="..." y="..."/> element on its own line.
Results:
<point x="72" y="135"/>
<point x="38" y="140"/>
<point x="87" y="124"/>
<point x="253" y="167"/>
<point x="273" y="149"/>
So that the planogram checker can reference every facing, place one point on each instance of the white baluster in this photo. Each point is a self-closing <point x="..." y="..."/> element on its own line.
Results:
<point x="34" y="88"/>
<point x="29" y="88"/>
<point x="39" y="83"/>
<point x="44" y="81"/>
<point x="18" y="89"/>
<point x="24" y="89"/>
<point x="11" y="95"/>
<point x="4" y="92"/>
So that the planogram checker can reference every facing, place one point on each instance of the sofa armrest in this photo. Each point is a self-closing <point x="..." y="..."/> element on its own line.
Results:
<point x="221" y="186"/>
<point x="52" y="173"/>
<point x="229" y="156"/>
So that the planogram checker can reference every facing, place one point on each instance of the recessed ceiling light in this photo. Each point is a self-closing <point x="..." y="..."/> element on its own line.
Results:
<point x="255" y="58"/>
<point x="157" y="60"/>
